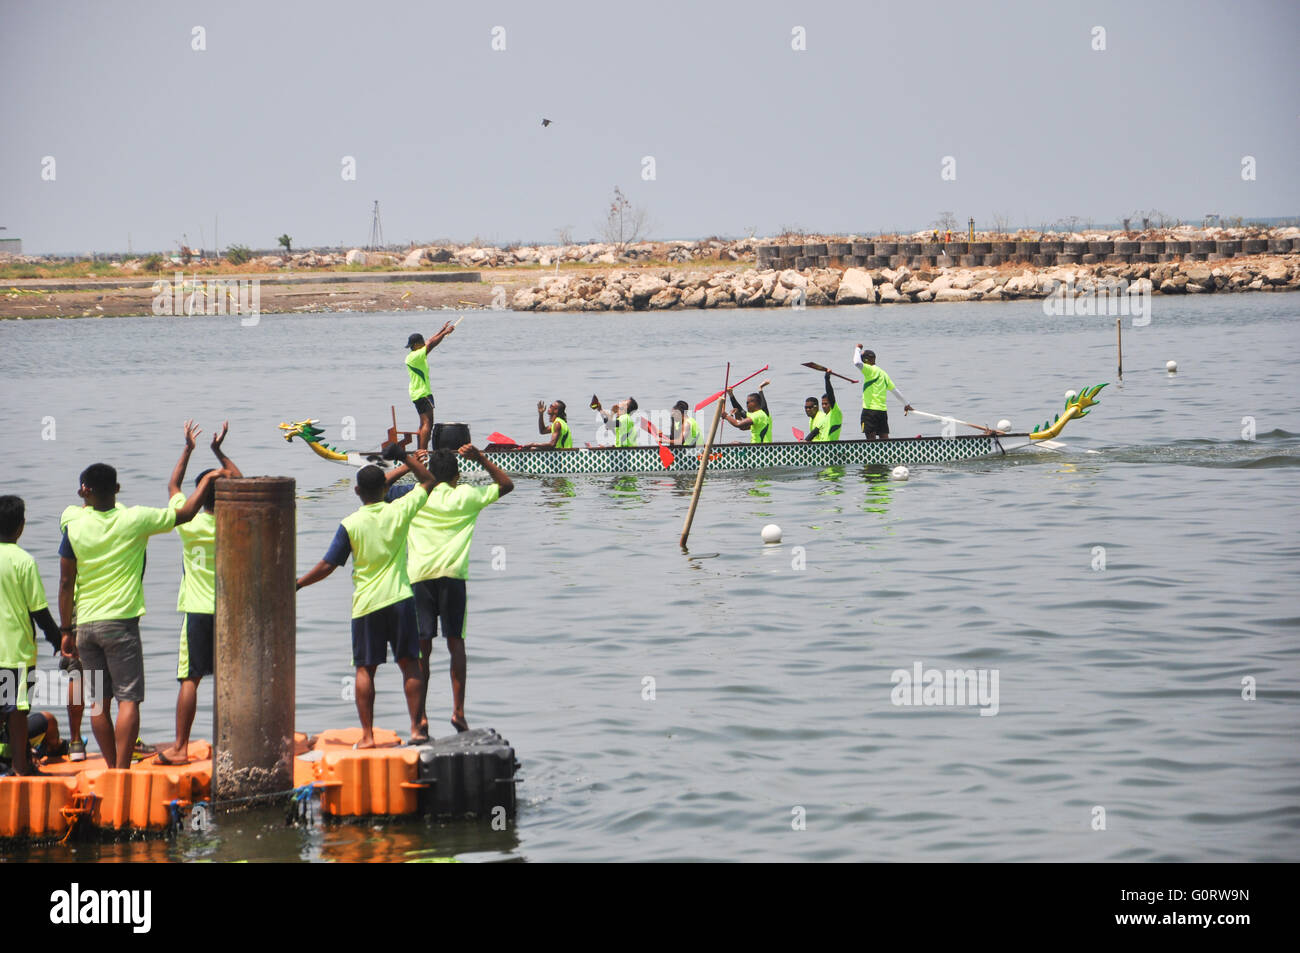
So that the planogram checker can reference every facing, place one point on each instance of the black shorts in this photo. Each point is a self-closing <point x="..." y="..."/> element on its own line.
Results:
<point x="392" y="626"/>
<point x="440" y="602"/>
<point x="195" y="660"/>
<point x="875" y="422"/>
<point x="16" y="691"/>
<point x="424" y="406"/>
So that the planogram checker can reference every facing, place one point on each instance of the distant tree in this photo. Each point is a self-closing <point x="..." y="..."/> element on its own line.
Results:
<point x="946" y="221"/>
<point x="287" y="242"/>
<point x="624" y="223"/>
<point x="239" y="254"/>
<point x="1001" y="222"/>
<point x="564" y="235"/>
<point x="152" y="262"/>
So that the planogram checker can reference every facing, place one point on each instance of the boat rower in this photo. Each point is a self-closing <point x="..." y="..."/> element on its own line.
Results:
<point x="755" y="418"/>
<point x="684" y="430"/>
<point x="619" y="418"/>
<point x="825" y="419"/>
<point x="558" y="428"/>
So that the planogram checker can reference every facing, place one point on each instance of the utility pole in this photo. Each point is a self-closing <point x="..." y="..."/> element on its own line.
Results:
<point x="376" y="229"/>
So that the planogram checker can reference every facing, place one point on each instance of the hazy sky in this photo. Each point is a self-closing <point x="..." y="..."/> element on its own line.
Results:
<point x="153" y="139"/>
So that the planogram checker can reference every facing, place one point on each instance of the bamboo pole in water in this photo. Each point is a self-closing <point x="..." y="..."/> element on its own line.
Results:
<point x="1119" y="347"/>
<point x="704" y="465"/>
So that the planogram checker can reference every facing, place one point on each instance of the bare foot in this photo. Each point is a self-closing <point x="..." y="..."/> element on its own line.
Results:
<point x="173" y="755"/>
<point x="367" y="741"/>
<point x="459" y="723"/>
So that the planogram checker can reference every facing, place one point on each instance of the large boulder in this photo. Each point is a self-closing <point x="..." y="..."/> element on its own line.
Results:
<point x="889" y="294"/>
<point x="643" y="288"/>
<point x="665" y="299"/>
<point x="414" y="258"/>
<point x="955" y="294"/>
<point x="357" y="257"/>
<point x="856" y="287"/>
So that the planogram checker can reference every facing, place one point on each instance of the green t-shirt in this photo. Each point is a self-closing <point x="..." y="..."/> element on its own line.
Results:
<point x="377" y="534"/>
<point x="831" y="423"/>
<point x="761" y="429"/>
<point x="109" y="549"/>
<point x="625" y="431"/>
<point x="198" y="591"/>
<point x="69" y="514"/>
<point x="21" y="593"/>
<point x="875" y="384"/>
<point x="442" y="531"/>
<point x="565" y="440"/>
<point x="817" y="422"/>
<point x="690" y="432"/>
<point x="417" y="363"/>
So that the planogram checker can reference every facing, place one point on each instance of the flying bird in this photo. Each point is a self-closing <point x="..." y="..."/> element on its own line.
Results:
<point x="545" y="123"/>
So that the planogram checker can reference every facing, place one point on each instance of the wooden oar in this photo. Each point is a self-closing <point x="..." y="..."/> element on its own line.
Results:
<point x="712" y="397"/>
<point x="665" y="455"/>
<point x="987" y="430"/>
<point x="459" y="320"/>
<point x="827" y="370"/>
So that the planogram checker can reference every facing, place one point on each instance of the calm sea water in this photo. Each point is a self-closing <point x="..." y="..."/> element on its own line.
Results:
<point x="1119" y="688"/>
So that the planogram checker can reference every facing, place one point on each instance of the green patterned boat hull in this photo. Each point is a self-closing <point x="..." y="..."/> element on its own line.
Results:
<point x="747" y="456"/>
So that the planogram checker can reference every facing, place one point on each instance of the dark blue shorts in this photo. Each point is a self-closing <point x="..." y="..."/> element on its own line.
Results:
<point x="440" y="602"/>
<point x="195" y="660"/>
<point x="392" y="626"/>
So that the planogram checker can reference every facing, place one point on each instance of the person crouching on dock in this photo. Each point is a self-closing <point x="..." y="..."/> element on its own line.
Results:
<point x="383" y="605"/>
<point x="558" y="428"/>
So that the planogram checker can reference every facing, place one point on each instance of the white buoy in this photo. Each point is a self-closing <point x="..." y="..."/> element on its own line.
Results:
<point x="899" y="473"/>
<point x="1171" y="367"/>
<point x="1004" y="424"/>
<point x="1070" y="395"/>
<point x="771" y="533"/>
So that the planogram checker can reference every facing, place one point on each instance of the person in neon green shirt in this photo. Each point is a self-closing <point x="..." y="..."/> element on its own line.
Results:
<point x="825" y="420"/>
<point x="558" y="428"/>
<point x="684" y="430"/>
<point x="383" y="607"/>
<point x="875" y="384"/>
<point x="421" y="390"/>
<point x="22" y="602"/>
<point x="102" y="562"/>
<point x="623" y="422"/>
<point x="438" y="561"/>
<point x="197" y="597"/>
<point x="756" y="418"/>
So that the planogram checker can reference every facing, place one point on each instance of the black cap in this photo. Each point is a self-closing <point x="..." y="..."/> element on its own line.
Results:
<point x="415" y="339"/>
<point x="869" y="355"/>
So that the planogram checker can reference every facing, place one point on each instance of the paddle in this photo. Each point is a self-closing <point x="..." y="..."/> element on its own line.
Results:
<point x="988" y="430"/>
<point x="665" y="455"/>
<point x="798" y="434"/>
<point x="711" y="398"/>
<point x="501" y="438"/>
<point x="827" y="370"/>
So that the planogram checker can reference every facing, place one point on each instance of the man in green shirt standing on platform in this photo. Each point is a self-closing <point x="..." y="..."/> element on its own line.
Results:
<point x="438" y="561"/>
<point x="102" y="561"/>
<point x="383" y="607"/>
<point x="875" y="384"/>
<point x="197" y="597"/>
<point x="417" y="365"/>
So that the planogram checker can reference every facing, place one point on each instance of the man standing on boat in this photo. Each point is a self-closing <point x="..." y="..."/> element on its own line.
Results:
<point x="558" y="428"/>
<point x="383" y="605"/>
<point x="417" y="365"/>
<point x="438" y="563"/>
<point x="756" y="418"/>
<point x="875" y="384"/>
<point x="684" y="430"/>
<point x="623" y="422"/>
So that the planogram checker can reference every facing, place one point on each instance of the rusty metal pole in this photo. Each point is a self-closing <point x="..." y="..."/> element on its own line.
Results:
<point x="255" y="637"/>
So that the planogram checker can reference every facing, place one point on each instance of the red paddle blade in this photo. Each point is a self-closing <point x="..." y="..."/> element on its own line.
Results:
<point x="499" y="438"/>
<point x="708" y="400"/>
<point x="798" y="434"/>
<point x="665" y="456"/>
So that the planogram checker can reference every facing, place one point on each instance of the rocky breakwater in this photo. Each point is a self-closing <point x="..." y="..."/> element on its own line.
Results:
<point x="662" y="289"/>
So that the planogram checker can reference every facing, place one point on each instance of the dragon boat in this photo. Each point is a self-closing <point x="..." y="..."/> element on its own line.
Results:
<point x="521" y="461"/>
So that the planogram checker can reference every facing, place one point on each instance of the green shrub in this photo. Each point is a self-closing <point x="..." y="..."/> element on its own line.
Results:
<point x="238" y="254"/>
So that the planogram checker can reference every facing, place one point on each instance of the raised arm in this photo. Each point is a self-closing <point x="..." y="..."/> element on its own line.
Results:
<point x="178" y="473"/>
<point x="226" y="463"/>
<point x="499" y="477"/>
<point x="422" y="474"/>
<point x="830" y="388"/>
<point x="541" y="418"/>
<point x="857" y="357"/>
<point x="436" y="339"/>
<point x="401" y="470"/>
